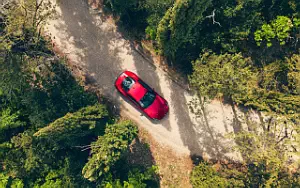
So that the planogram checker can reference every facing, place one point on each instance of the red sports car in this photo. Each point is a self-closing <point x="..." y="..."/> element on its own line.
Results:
<point x="143" y="96"/>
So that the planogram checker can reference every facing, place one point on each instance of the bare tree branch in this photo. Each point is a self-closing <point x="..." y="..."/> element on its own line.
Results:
<point x="285" y="134"/>
<point x="213" y="18"/>
<point x="86" y="147"/>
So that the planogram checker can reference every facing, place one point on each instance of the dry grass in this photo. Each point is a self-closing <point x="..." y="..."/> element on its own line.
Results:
<point x="174" y="170"/>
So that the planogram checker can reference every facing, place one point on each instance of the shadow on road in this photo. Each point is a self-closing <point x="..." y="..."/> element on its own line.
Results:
<point x="147" y="72"/>
<point x="103" y="63"/>
<point x="99" y="49"/>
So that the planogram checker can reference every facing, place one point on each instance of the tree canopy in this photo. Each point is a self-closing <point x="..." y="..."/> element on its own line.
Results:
<point x="244" y="51"/>
<point x="47" y="118"/>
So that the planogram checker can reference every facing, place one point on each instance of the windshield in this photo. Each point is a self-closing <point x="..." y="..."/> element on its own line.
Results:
<point x="147" y="100"/>
<point x="127" y="83"/>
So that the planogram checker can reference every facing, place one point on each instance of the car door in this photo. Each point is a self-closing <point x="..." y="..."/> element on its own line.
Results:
<point x="134" y="101"/>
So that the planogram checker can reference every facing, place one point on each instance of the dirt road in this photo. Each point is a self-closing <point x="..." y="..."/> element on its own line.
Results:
<point x="93" y="43"/>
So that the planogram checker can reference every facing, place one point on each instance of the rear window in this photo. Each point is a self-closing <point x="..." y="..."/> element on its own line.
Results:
<point x="147" y="99"/>
<point x="127" y="83"/>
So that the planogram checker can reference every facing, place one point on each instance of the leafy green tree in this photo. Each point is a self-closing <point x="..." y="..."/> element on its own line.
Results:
<point x="21" y="43"/>
<point x="136" y="178"/>
<point x="221" y="75"/>
<point x="293" y="74"/>
<point x="279" y="28"/>
<point x="269" y="154"/>
<point x="275" y="90"/>
<point x="156" y="10"/>
<point x="23" y="24"/>
<point x="270" y="158"/>
<point x="74" y="125"/>
<point x="204" y="175"/>
<point x="234" y="77"/>
<point x="178" y="26"/>
<point x="9" y="121"/>
<point x="3" y="180"/>
<point x="108" y="149"/>
<point x="8" y="181"/>
<point x="45" y="114"/>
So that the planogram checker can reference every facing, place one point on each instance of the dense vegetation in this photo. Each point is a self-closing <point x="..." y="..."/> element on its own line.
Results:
<point x="263" y="33"/>
<point x="52" y="132"/>
<point x="242" y="52"/>
<point x="246" y="52"/>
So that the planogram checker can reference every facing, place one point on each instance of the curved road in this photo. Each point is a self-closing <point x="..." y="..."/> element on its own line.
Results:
<point x="93" y="43"/>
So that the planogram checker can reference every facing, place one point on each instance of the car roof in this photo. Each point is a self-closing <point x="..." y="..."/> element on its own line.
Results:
<point x="137" y="91"/>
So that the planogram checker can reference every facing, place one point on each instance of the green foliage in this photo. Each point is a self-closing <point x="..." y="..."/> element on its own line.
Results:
<point x="136" y="178"/>
<point x="181" y="30"/>
<point x="178" y="26"/>
<point x="74" y="125"/>
<point x="4" y="148"/>
<point x="122" y="7"/>
<point x="221" y="75"/>
<point x="266" y="32"/>
<point x="268" y="157"/>
<point x="3" y="180"/>
<point x="206" y="176"/>
<point x="108" y="149"/>
<point x="56" y="91"/>
<point x="8" y="121"/>
<point x="279" y="28"/>
<point x="8" y="181"/>
<point x="276" y="88"/>
<point x="293" y="75"/>
<point x="57" y="178"/>
<point x="24" y="24"/>
<point x="273" y="89"/>
<point x="151" y="32"/>
<point x="45" y="115"/>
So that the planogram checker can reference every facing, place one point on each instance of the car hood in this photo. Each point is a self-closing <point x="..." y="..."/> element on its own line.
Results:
<point x="158" y="109"/>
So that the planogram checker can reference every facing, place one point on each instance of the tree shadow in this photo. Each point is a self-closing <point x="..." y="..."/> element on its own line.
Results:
<point x="87" y="34"/>
<point x="138" y="157"/>
<point x="209" y="141"/>
<point x="99" y="48"/>
<point x="140" y="154"/>
<point x="148" y="72"/>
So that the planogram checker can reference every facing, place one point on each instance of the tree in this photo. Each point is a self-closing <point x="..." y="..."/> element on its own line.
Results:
<point x="74" y="125"/>
<point x="276" y="88"/>
<point x="178" y="26"/>
<point x="223" y="75"/>
<point x="293" y="74"/>
<point x="136" y="178"/>
<point x="270" y="158"/>
<point x="8" y="181"/>
<point x="8" y="122"/>
<point x="21" y="43"/>
<point x="270" y="154"/>
<point x="121" y="7"/>
<point x="45" y="114"/>
<point x="279" y="28"/>
<point x="23" y="22"/>
<point x="204" y="175"/>
<point x="108" y="149"/>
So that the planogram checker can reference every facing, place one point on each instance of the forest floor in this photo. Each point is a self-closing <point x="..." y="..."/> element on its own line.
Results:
<point x="96" y="50"/>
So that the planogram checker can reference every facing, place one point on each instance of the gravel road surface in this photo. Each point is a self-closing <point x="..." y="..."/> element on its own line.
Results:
<point x="93" y="42"/>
